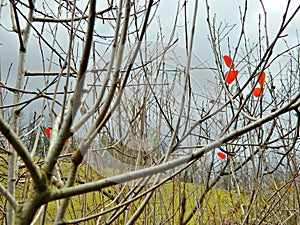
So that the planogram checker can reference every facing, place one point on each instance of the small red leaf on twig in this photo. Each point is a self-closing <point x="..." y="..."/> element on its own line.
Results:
<point x="229" y="77"/>
<point x="48" y="132"/>
<point x="261" y="78"/>
<point x="221" y="155"/>
<point x="258" y="91"/>
<point x="228" y="61"/>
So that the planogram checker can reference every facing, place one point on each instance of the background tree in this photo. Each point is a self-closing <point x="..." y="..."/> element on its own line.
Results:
<point x="142" y="129"/>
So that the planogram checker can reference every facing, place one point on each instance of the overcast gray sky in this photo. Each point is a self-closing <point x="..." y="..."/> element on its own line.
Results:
<point x="224" y="11"/>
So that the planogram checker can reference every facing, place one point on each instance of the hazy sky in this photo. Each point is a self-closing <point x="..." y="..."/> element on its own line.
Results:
<point x="225" y="12"/>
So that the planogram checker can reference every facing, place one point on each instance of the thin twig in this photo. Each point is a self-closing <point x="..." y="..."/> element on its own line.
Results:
<point x="54" y="20"/>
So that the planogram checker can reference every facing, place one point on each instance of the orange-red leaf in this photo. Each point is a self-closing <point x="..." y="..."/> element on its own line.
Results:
<point x="69" y="141"/>
<point x="258" y="91"/>
<point x="228" y="61"/>
<point x="261" y="78"/>
<point x="48" y="132"/>
<point x="229" y="77"/>
<point x="221" y="155"/>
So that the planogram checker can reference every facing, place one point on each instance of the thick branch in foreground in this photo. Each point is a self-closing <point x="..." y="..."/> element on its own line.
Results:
<point x="72" y="191"/>
<point x="64" y="132"/>
<point x="75" y="102"/>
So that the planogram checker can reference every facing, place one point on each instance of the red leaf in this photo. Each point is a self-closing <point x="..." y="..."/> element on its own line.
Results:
<point x="48" y="132"/>
<point x="69" y="141"/>
<point x="261" y="78"/>
<point x="229" y="77"/>
<point x="228" y="61"/>
<point x="258" y="91"/>
<point x="221" y="155"/>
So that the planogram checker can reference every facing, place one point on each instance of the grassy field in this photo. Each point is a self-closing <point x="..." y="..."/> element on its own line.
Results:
<point x="220" y="206"/>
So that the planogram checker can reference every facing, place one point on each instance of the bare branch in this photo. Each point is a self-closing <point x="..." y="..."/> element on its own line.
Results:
<point x="54" y="20"/>
<point x="9" y="197"/>
<point x="71" y="191"/>
<point x="21" y="150"/>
